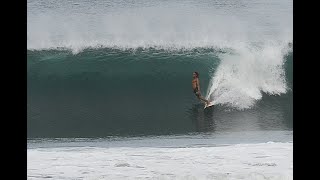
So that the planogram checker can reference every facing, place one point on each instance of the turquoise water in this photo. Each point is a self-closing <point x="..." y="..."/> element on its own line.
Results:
<point x="124" y="68"/>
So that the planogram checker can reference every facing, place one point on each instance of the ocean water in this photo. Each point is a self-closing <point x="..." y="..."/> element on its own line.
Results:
<point x="110" y="97"/>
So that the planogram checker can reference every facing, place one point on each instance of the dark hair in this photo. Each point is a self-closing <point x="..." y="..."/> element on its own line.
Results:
<point x="197" y="73"/>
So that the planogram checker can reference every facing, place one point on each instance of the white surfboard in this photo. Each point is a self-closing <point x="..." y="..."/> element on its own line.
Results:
<point x="209" y="105"/>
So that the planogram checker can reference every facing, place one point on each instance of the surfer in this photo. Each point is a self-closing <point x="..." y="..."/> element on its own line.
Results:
<point x="196" y="87"/>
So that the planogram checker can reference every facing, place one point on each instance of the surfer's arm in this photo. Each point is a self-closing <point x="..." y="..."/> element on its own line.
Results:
<point x="198" y="85"/>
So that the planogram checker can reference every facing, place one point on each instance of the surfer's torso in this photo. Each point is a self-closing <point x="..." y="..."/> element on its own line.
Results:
<point x="195" y="83"/>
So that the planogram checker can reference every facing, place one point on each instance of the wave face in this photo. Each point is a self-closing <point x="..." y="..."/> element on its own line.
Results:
<point x="101" y="92"/>
<point x="118" y="67"/>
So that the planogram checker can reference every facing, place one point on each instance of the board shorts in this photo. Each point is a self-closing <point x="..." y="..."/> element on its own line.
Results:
<point x="196" y="92"/>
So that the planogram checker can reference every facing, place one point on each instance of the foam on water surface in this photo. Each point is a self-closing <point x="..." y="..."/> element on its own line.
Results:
<point x="240" y="161"/>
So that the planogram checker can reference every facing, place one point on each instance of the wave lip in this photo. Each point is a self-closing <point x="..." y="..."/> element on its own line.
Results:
<point x="172" y="25"/>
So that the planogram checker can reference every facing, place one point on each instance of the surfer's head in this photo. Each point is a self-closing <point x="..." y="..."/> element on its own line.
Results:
<point x="195" y="74"/>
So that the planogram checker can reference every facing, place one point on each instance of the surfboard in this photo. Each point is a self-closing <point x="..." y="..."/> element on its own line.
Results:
<point x="210" y="104"/>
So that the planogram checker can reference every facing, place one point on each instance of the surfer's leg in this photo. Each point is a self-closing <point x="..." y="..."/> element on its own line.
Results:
<point x="202" y="98"/>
